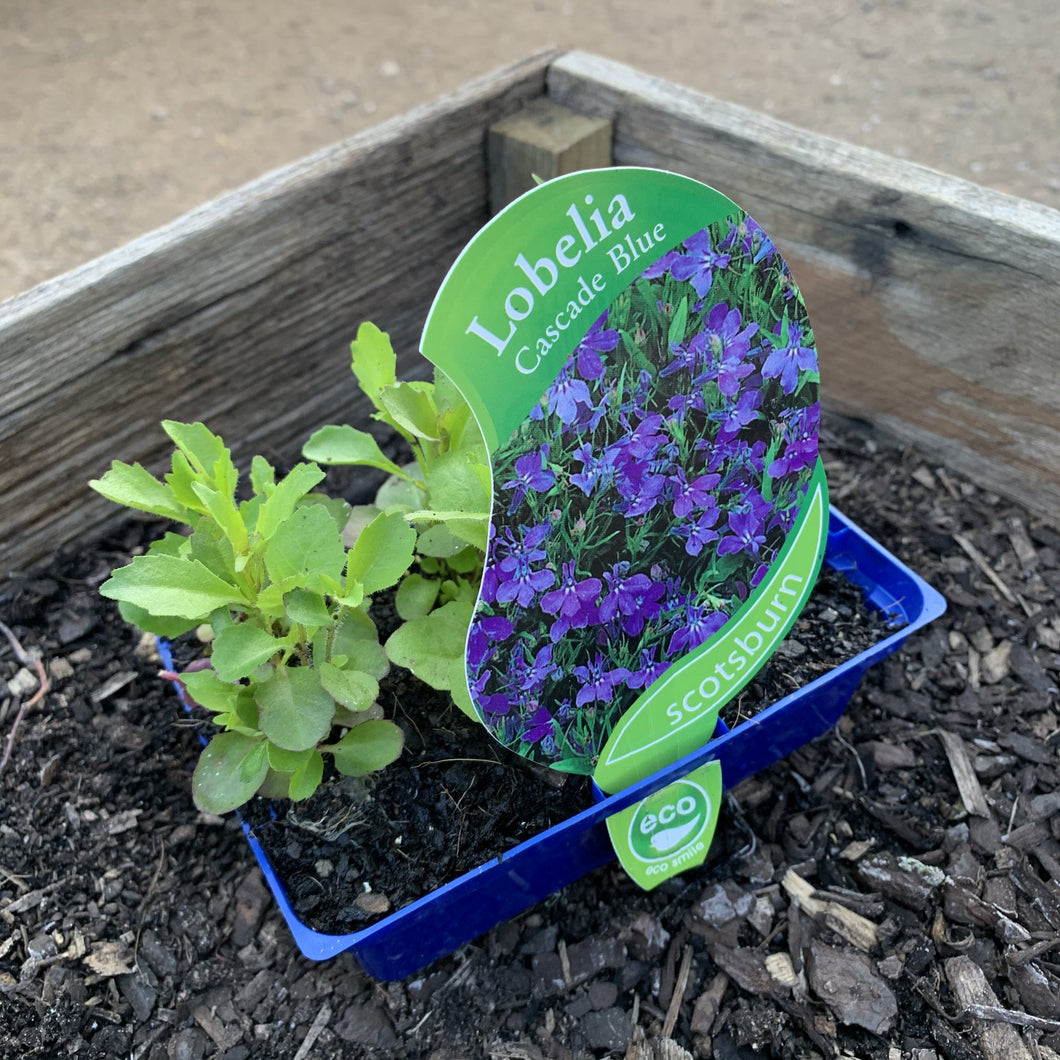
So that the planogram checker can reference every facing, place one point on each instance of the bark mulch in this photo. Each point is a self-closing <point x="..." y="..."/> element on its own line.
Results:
<point x="891" y="890"/>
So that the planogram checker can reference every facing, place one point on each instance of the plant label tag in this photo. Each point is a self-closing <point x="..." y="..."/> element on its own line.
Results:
<point x="643" y="370"/>
<point x="669" y="832"/>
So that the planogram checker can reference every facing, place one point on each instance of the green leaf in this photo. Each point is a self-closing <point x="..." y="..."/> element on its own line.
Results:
<point x="447" y="397"/>
<point x="354" y="689"/>
<point x="427" y="646"/>
<point x="284" y="761"/>
<point x="415" y="596"/>
<point x="356" y="640"/>
<point x="239" y="650"/>
<point x="205" y="451"/>
<point x="209" y="691"/>
<point x="352" y="596"/>
<point x="181" y="480"/>
<point x="405" y="492"/>
<point x="360" y="516"/>
<point x="285" y="497"/>
<point x="307" y="542"/>
<point x="159" y="625"/>
<point x="294" y="710"/>
<point x="262" y="476"/>
<point x="439" y="541"/>
<point x="165" y="585"/>
<point x="466" y="562"/>
<point x="212" y="549"/>
<point x="411" y="406"/>
<point x="221" y="782"/>
<point x="368" y="747"/>
<point x="454" y="485"/>
<point x="347" y="445"/>
<point x="458" y="689"/>
<point x="373" y="360"/>
<point x="276" y="785"/>
<point x="382" y="553"/>
<point x="224" y="512"/>
<point x="306" y="609"/>
<point x="135" y="487"/>
<point x="336" y="507"/>
<point x="306" y="779"/>
<point x="251" y="766"/>
<point x="678" y="324"/>
<point x="170" y="544"/>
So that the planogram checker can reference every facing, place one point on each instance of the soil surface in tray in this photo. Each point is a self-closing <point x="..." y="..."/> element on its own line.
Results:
<point x="891" y="887"/>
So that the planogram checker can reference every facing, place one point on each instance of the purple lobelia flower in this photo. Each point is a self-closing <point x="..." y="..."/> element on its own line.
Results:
<point x="599" y="339"/>
<point x="648" y="669"/>
<point x="696" y="624"/>
<point x="633" y="599"/>
<point x="693" y="356"/>
<point x="528" y="678"/>
<point x="531" y="473"/>
<point x="597" y="681"/>
<point x="518" y="575"/>
<point x="573" y="602"/>
<point x="748" y="237"/>
<point x="639" y="490"/>
<point x="680" y="405"/>
<point x="800" y="440"/>
<point x="700" y="533"/>
<point x="538" y="726"/>
<point x="596" y="470"/>
<point x="789" y="356"/>
<point x="565" y="395"/>
<point x="498" y="704"/>
<point x="727" y="345"/>
<point x="699" y="262"/>
<point x="688" y="496"/>
<point x="746" y="534"/>
<point x="735" y="415"/>
<point x="661" y="267"/>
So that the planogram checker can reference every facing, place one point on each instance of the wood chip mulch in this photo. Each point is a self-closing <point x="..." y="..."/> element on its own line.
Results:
<point x="890" y="891"/>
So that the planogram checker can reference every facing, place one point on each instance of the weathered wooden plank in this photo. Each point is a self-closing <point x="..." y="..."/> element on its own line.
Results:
<point x="934" y="300"/>
<point x="543" y="140"/>
<point x="239" y="313"/>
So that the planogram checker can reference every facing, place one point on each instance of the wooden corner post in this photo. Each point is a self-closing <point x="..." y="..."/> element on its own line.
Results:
<point x="543" y="140"/>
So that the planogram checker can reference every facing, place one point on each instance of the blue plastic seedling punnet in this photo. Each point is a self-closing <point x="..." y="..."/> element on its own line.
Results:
<point x="465" y="908"/>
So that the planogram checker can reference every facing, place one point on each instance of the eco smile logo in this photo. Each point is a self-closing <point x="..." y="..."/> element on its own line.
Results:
<point x="669" y="821"/>
<point x="670" y="831"/>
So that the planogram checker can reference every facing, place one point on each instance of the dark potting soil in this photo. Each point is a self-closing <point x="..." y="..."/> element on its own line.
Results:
<point x="358" y="849"/>
<point x="130" y="925"/>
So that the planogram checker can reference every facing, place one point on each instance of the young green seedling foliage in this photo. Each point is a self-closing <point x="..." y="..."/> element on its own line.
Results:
<point x="433" y="512"/>
<point x="294" y="651"/>
<point x="285" y="578"/>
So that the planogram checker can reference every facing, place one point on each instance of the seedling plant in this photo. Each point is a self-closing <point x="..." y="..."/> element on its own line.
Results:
<point x="281" y="580"/>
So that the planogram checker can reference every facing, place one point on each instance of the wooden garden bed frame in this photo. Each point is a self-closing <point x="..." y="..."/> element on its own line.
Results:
<point x="935" y="302"/>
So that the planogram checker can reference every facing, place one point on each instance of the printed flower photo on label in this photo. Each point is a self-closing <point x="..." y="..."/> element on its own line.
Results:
<point x="647" y="494"/>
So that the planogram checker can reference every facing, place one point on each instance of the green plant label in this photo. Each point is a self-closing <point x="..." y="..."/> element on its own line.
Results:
<point x="643" y="369"/>
<point x="671" y="831"/>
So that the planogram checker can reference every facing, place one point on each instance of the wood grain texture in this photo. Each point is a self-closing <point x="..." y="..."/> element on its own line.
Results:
<point x="240" y="313"/>
<point x="935" y="301"/>
<point x="543" y="140"/>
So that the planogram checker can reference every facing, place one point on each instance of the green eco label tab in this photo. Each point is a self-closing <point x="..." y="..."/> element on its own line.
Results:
<point x="671" y="831"/>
